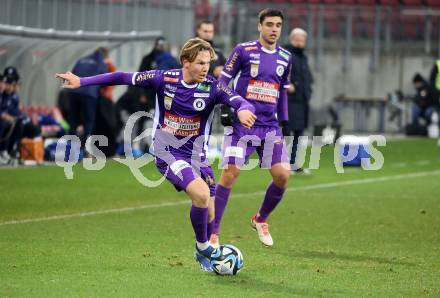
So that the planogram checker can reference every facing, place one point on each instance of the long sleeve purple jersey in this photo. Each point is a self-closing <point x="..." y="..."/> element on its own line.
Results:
<point x="183" y="110"/>
<point x="262" y="77"/>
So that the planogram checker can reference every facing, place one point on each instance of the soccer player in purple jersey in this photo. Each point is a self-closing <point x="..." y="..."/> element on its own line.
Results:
<point x="260" y="70"/>
<point x="186" y="99"/>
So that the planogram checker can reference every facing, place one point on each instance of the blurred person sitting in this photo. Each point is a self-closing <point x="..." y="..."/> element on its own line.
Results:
<point x="13" y="124"/>
<point x="425" y="101"/>
<point x="9" y="119"/>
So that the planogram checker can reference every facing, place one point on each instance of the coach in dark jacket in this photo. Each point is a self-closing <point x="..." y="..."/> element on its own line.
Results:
<point x="84" y="100"/>
<point x="300" y="91"/>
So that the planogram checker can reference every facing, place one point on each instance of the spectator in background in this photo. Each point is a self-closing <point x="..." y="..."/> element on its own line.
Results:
<point x="149" y="61"/>
<point x="205" y="30"/>
<point x="425" y="101"/>
<point x="14" y="125"/>
<point x="83" y="101"/>
<point x="10" y="117"/>
<point x="299" y="93"/>
<point x="165" y="60"/>
<point x="142" y="99"/>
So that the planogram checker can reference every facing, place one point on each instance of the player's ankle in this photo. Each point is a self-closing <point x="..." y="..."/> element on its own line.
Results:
<point x="202" y="245"/>
<point x="259" y="219"/>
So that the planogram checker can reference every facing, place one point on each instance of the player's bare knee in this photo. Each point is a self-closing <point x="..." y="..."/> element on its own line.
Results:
<point x="229" y="176"/>
<point x="281" y="179"/>
<point x="201" y="200"/>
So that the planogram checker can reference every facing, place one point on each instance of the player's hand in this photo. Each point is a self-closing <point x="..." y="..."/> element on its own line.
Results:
<point x="70" y="81"/>
<point x="291" y="88"/>
<point x="247" y="118"/>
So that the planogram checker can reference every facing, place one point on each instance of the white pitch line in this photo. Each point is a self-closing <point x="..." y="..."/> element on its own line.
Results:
<point x="423" y="162"/>
<point x="400" y="165"/>
<point x="260" y="193"/>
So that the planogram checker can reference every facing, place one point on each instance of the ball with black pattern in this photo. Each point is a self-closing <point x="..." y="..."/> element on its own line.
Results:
<point x="227" y="260"/>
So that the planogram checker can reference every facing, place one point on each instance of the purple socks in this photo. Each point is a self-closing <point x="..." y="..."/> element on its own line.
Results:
<point x="271" y="199"/>
<point x="209" y="229"/>
<point x="199" y="220"/>
<point x="221" y="199"/>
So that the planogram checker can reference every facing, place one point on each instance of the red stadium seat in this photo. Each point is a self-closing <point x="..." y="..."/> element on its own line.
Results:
<point x="434" y="3"/>
<point x="390" y="2"/>
<point x="348" y="2"/>
<point x="366" y="2"/>
<point x="413" y="2"/>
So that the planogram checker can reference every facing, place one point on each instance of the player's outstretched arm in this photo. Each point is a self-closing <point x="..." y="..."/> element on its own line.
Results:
<point x="72" y="81"/>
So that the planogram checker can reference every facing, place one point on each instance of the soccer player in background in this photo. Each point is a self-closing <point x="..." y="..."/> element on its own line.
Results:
<point x="260" y="70"/>
<point x="186" y="98"/>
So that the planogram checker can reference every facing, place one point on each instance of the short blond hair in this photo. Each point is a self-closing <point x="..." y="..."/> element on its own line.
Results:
<point x="192" y="47"/>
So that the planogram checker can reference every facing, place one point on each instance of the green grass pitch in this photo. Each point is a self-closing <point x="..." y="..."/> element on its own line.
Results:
<point x="362" y="233"/>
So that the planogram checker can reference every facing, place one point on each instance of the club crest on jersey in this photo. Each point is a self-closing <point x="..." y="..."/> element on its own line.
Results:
<point x="254" y="70"/>
<point x="168" y="101"/>
<point x="280" y="70"/>
<point x="204" y="87"/>
<point x="199" y="104"/>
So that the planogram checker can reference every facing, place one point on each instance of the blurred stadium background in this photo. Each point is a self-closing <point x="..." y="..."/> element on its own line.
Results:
<point x="364" y="48"/>
<point x="103" y="234"/>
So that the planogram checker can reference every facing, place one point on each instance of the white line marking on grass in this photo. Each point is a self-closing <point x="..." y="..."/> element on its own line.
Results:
<point x="351" y="182"/>
<point x="91" y="213"/>
<point x="423" y="162"/>
<point x="400" y="165"/>
<point x="260" y="193"/>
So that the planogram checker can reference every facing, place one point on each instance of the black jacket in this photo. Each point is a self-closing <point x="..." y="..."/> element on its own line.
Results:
<point x="426" y="96"/>
<point x="301" y="77"/>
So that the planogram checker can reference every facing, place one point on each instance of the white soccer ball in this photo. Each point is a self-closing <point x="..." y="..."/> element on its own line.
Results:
<point x="226" y="260"/>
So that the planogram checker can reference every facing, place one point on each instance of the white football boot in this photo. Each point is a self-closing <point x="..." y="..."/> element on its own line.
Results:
<point x="262" y="229"/>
